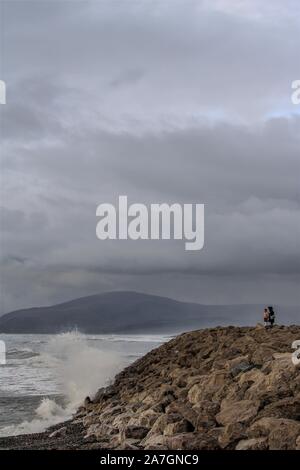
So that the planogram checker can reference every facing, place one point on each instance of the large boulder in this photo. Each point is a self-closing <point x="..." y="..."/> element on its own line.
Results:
<point x="230" y="434"/>
<point x="208" y="386"/>
<point x="145" y="418"/>
<point x="282" y="434"/>
<point x="241" y="411"/>
<point x="179" y="427"/>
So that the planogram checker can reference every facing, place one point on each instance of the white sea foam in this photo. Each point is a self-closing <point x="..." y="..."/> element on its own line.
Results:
<point x="79" y="369"/>
<point x="82" y="368"/>
<point x="154" y="338"/>
<point x="47" y="413"/>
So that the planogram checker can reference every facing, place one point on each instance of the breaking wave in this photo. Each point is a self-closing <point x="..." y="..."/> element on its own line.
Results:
<point x="79" y="370"/>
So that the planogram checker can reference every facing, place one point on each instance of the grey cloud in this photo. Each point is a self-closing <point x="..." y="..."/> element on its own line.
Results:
<point x="129" y="77"/>
<point x="189" y="103"/>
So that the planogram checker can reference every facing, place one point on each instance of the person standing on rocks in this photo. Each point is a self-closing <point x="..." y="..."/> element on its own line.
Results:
<point x="271" y="316"/>
<point x="266" y="318"/>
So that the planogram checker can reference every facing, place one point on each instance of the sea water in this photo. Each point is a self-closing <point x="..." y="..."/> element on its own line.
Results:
<point x="46" y="377"/>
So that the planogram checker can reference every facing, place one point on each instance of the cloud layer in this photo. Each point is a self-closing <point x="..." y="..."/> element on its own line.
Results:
<point x="165" y="102"/>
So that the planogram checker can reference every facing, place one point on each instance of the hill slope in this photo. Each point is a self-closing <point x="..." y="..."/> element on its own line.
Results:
<point x="124" y="312"/>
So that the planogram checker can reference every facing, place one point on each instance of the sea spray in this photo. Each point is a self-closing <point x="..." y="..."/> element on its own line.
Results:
<point x="79" y="370"/>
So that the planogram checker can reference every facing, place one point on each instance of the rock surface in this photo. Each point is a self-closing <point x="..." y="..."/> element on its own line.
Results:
<point x="219" y="388"/>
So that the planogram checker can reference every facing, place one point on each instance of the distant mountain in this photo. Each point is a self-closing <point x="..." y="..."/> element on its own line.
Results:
<point x="132" y="312"/>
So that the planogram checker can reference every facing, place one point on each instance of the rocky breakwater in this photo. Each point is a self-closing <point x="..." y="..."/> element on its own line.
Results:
<point x="219" y="388"/>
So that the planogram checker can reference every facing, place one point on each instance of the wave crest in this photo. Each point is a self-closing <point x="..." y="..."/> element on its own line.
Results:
<point x="80" y="370"/>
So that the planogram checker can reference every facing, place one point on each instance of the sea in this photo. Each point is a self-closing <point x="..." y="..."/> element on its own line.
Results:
<point x="46" y="377"/>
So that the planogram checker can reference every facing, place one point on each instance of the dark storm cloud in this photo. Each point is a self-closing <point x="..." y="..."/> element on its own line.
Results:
<point x="181" y="102"/>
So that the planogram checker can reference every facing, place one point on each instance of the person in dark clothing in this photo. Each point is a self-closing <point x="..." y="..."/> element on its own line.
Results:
<point x="271" y="316"/>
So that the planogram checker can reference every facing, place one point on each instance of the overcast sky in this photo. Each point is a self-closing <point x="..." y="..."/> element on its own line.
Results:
<point x="164" y="101"/>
